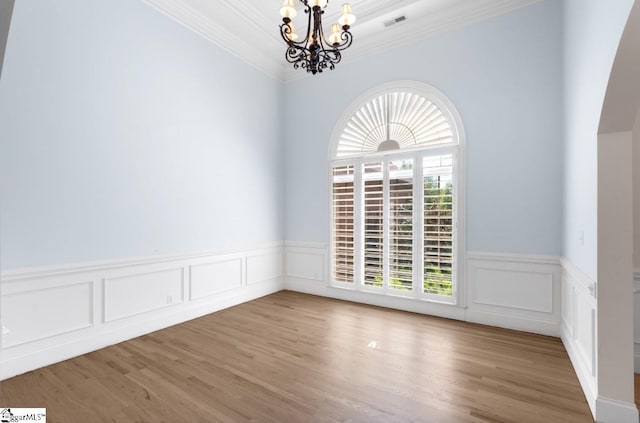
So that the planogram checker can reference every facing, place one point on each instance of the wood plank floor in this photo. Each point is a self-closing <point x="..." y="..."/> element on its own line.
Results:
<point x="636" y="387"/>
<point x="291" y="357"/>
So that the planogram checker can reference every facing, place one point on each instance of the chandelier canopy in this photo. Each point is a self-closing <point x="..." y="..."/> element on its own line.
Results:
<point x="315" y="52"/>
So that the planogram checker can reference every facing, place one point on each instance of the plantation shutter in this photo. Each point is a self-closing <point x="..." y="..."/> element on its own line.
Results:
<point x="438" y="224"/>
<point x="395" y="194"/>
<point x="408" y="118"/>
<point x="373" y="181"/>
<point x="343" y="223"/>
<point x="401" y="225"/>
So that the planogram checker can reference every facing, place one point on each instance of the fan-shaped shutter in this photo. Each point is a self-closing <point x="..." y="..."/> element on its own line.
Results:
<point x="407" y="118"/>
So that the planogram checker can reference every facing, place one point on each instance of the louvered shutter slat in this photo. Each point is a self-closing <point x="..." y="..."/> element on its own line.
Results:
<point x="373" y="206"/>
<point x="343" y="218"/>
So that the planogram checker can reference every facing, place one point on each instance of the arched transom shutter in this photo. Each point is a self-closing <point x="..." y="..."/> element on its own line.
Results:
<point x="407" y="118"/>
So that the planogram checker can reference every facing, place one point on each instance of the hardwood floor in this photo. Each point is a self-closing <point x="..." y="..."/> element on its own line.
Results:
<point x="636" y="387"/>
<point x="291" y="357"/>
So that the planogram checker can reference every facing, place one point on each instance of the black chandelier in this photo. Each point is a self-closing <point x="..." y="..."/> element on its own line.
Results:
<point x="315" y="53"/>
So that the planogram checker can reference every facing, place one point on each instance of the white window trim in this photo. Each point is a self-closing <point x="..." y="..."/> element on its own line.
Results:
<point x="458" y="150"/>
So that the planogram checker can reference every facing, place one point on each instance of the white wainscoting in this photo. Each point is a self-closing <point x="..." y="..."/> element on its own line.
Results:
<point x="138" y="293"/>
<point x="212" y="278"/>
<point x="307" y="271"/>
<point x="636" y="322"/>
<point x="511" y="291"/>
<point x="514" y="291"/>
<point x="578" y="334"/>
<point x="57" y="313"/>
<point x="52" y="311"/>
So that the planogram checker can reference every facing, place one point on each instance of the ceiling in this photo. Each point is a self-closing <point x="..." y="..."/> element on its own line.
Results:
<point x="249" y="29"/>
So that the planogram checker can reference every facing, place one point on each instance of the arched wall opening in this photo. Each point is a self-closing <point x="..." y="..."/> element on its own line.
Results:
<point x="615" y="291"/>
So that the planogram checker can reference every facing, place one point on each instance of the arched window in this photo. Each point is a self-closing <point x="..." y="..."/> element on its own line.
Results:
<point x="396" y="201"/>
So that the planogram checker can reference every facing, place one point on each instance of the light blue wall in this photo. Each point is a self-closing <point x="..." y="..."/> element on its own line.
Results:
<point x="123" y="134"/>
<point x="592" y="32"/>
<point x="505" y="77"/>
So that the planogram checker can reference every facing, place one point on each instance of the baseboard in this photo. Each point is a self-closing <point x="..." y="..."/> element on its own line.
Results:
<point x="68" y="312"/>
<point x="612" y="411"/>
<point x="446" y="311"/>
<point x="526" y="288"/>
<point x="528" y="324"/>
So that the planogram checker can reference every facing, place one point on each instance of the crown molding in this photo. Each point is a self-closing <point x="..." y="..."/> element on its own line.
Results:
<point x="454" y="18"/>
<point x="420" y="29"/>
<point x="447" y="20"/>
<point x="259" y="44"/>
<point x="256" y="20"/>
<point x="220" y="36"/>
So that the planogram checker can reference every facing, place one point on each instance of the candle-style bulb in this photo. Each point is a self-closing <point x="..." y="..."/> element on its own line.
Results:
<point x="334" y="37"/>
<point x="347" y="18"/>
<point x="288" y="9"/>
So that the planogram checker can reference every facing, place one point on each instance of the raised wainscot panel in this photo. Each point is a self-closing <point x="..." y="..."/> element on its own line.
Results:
<point x="211" y="278"/>
<point x="514" y="289"/>
<point x="134" y="294"/>
<point x="584" y="330"/>
<point x="567" y="304"/>
<point x="38" y="314"/>
<point x="305" y="265"/>
<point x="263" y="267"/>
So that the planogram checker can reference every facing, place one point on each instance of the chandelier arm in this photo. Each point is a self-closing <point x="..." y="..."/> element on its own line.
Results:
<point x="309" y="12"/>
<point x="347" y="40"/>
<point x="323" y="40"/>
<point x="332" y="57"/>
<point x="294" y="54"/>
<point x="330" y="54"/>
<point x="286" y="30"/>
<point x="329" y="58"/>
